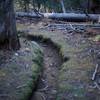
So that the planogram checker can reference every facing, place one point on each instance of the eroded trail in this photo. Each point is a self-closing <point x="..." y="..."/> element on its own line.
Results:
<point x="47" y="85"/>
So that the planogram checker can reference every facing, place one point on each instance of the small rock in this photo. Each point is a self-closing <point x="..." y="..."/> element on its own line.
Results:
<point x="83" y="41"/>
<point x="51" y="65"/>
<point x="27" y="49"/>
<point x="16" y="54"/>
<point x="54" y="91"/>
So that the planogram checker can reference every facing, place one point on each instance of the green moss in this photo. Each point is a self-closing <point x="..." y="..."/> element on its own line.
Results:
<point x="97" y="38"/>
<point x="2" y="73"/>
<point x="21" y="26"/>
<point x="17" y="79"/>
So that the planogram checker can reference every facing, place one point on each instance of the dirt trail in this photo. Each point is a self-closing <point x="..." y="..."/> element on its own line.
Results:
<point x="47" y="85"/>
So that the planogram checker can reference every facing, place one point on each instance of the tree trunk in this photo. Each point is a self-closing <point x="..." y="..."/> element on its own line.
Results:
<point x="8" y="34"/>
<point x="62" y="5"/>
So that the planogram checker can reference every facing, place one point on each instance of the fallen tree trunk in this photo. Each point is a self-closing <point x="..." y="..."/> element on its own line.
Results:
<point x="62" y="16"/>
<point x="26" y="14"/>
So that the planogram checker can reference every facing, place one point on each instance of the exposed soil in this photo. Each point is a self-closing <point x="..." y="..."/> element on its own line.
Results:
<point x="47" y="85"/>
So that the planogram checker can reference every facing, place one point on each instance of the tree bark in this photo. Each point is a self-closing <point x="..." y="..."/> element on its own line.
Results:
<point x="8" y="34"/>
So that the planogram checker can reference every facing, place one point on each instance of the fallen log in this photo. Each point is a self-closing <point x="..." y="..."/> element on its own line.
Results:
<point x="62" y="16"/>
<point x="72" y="16"/>
<point x="27" y="14"/>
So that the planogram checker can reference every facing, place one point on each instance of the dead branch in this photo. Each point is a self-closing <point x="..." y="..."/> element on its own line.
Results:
<point x="24" y="85"/>
<point x="96" y="85"/>
<point x="72" y="27"/>
<point x="95" y="72"/>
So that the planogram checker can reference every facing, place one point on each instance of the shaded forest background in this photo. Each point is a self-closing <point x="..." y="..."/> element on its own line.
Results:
<point x="77" y="6"/>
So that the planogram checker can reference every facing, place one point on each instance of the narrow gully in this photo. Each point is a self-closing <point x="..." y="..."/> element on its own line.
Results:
<point x="47" y="85"/>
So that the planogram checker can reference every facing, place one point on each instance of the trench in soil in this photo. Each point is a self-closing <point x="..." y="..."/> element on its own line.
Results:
<point x="46" y="88"/>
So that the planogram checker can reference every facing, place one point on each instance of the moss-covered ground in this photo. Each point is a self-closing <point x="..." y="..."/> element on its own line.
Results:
<point x="75" y="74"/>
<point x="19" y="71"/>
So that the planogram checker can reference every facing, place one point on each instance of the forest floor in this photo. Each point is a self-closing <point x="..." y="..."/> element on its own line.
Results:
<point x="77" y="56"/>
<point x="19" y="71"/>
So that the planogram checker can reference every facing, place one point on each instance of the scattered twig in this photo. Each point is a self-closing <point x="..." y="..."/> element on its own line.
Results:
<point x="42" y="95"/>
<point x="97" y="86"/>
<point x="45" y="88"/>
<point x="95" y="72"/>
<point x="72" y="27"/>
<point x="21" y="86"/>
